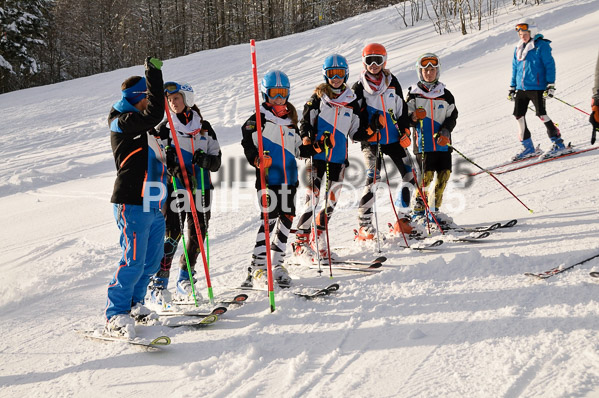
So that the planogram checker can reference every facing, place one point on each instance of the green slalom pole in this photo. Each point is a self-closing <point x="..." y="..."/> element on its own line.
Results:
<point x="205" y="220"/>
<point x="193" y="290"/>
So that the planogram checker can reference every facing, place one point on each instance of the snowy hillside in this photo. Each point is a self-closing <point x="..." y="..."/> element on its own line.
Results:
<point x="462" y="321"/>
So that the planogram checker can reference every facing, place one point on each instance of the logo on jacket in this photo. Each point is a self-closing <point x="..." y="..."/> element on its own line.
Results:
<point x="441" y="106"/>
<point x="346" y="114"/>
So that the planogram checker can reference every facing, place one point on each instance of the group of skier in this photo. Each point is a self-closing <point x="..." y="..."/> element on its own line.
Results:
<point x="157" y="166"/>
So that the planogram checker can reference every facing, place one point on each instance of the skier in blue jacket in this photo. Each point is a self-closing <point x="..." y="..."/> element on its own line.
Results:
<point x="138" y="196"/>
<point x="533" y="79"/>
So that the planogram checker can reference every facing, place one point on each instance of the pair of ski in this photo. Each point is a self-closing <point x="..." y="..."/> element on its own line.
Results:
<point x="199" y="320"/>
<point x="558" y="270"/>
<point x="530" y="161"/>
<point x="482" y="232"/>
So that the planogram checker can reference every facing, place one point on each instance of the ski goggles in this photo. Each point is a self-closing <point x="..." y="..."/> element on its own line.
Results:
<point x="522" y="26"/>
<point x="172" y="87"/>
<point x="377" y="60"/>
<point x="429" y="61"/>
<point x="338" y="73"/>
<point x="278" y="92"/>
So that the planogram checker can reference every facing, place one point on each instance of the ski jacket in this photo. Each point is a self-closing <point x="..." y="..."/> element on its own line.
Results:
<point x="441" y="114"/>
<point x="389" y="96"/>
<point x="340" y="117"/>
<point x="193" y="134"/>
<point x="533" y="66"/>
<point x="280" y="137"/>
<point x="138" y="152"/>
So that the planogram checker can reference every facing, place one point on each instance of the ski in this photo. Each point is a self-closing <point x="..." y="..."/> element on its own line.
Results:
<point x="215" y="311"/>
<point x="533" y="156"/>
<point x="377" y="262"/>
<point x="375" y="267"/>
<point x="319" y="292"/>
<point x="558" y="269"/>
<point x="519" y="167"/>
<point x="471" y="239"/>
<point x="316" y="291"/>
<point x="594" y="274"/>
<point x="193" y="322"/>
<point x="432" y="246"/>
<point x="237" y="299"/>
<point x="148" y="343"/>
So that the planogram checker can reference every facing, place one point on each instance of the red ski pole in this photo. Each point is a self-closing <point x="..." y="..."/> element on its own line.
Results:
<point x="271" y="291"/>
<point x="191" y="201"/>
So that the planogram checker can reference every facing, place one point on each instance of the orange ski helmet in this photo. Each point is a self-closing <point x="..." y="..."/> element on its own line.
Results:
<point x="374" y="53"/>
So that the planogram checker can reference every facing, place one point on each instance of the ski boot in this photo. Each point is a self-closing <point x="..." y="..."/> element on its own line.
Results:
<point x="527" y="152"/>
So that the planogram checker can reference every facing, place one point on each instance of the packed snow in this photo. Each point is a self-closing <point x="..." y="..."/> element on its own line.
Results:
<point x="462" y="321"/>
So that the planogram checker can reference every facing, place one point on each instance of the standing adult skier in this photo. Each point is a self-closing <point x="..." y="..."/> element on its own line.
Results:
<point x="379" y="91"/>
<point x="201" y="155"/>
<point x="282" y="144"/>
<point x="138" y="196"/>
<point x="432" y="110"/>
<point x="331" y="113"/>
<point x="533" y="79"/>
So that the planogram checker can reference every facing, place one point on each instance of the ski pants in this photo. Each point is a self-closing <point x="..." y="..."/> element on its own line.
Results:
<point x="142" y="238"/>
<point x="175" y="216"/>
<point x="521" y="102"/>
<point x="316" y="170"/>
<point x="372" y="162"/>
<point x="431" y="163"/>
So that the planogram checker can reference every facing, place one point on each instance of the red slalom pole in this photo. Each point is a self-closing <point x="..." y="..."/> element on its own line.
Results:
<point x="191" y="201"/>
<point x="271" y="289"/>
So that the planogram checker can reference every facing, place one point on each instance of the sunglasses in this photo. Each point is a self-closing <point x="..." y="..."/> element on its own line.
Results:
<point x="522" y="26"/>
<point x="429" y="61"/>
<point x="278" y="92"/>
<point x="338" y="73"/>
<point x="172" y="87"/>
<point x="377" y="60"/>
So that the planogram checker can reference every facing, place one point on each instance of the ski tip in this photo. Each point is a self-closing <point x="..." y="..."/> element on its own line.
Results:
<point x="219" y="311"/>
<point x="240" y="298"/>
<point x="162" y="340"/>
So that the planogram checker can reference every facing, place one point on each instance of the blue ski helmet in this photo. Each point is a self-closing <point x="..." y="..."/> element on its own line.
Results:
<point x="334" y="66"/>
<point x="277" y="80"/>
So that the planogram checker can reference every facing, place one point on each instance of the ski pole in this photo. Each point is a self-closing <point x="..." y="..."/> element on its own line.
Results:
<point x="189" y="271"/>
<point x="312" y="201"/>
<point x="191" y="201"/>
<point x="578" y="109"/>
<point x="271" y="292"/>
<point x="204" y="213"/>
<point x="491" y="174"/>
<point x="391" y="199"/>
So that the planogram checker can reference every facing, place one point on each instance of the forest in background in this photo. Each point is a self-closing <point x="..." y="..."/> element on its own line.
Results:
<point x="48" y="41"/>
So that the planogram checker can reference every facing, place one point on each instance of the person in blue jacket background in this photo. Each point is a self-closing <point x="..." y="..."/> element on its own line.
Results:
<point x="138" y="196"/>
<point x="533" y="79"/>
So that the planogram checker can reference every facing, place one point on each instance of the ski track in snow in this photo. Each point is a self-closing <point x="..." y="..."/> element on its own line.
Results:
<point x="462" y="321"/>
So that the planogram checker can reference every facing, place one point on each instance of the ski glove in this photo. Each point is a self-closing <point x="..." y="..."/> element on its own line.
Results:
<point x="405" y="140"/>
<point x="153" y="63"/>
<point x="443" y="137"/>
<point x="172" y="164"/>
<point x="266" y="161"/>
<point x="594" y="119"/>
<point x="419" y="114"/>
<point x="549" y="91"/>
<point x="202" y="159"/>
<point x="512" y="94"/>
<point x="377" y="122"/>
<point x="325" y="142"/>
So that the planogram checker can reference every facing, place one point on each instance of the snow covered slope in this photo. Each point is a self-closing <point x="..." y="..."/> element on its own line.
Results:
<point x="460" y="322"/>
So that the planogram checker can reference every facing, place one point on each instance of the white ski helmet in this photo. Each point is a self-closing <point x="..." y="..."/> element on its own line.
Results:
<point x="184" y="88"/>
<point x="428" y="59"/>
<point x="529" y="25"/>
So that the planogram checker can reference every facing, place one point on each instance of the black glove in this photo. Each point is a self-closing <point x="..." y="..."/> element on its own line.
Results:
<point x="512" y="94"/>
<point x="172" y="164"/>
<point x="202" y="159"/>
<point x="324" y="142"/>
<point x="375" y="122"/>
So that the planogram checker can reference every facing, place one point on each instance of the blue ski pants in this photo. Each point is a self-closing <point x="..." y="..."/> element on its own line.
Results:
<point x="142" y="243"/>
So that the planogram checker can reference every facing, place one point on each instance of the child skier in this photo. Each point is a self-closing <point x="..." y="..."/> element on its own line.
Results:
<point x="201" y="155"/>
<point x="379" y="92"/>
<point x="138" y="196"/>
<point x="282" y="144"/>
<point x="432" y="110"/>
<point x="332" y="112"/>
